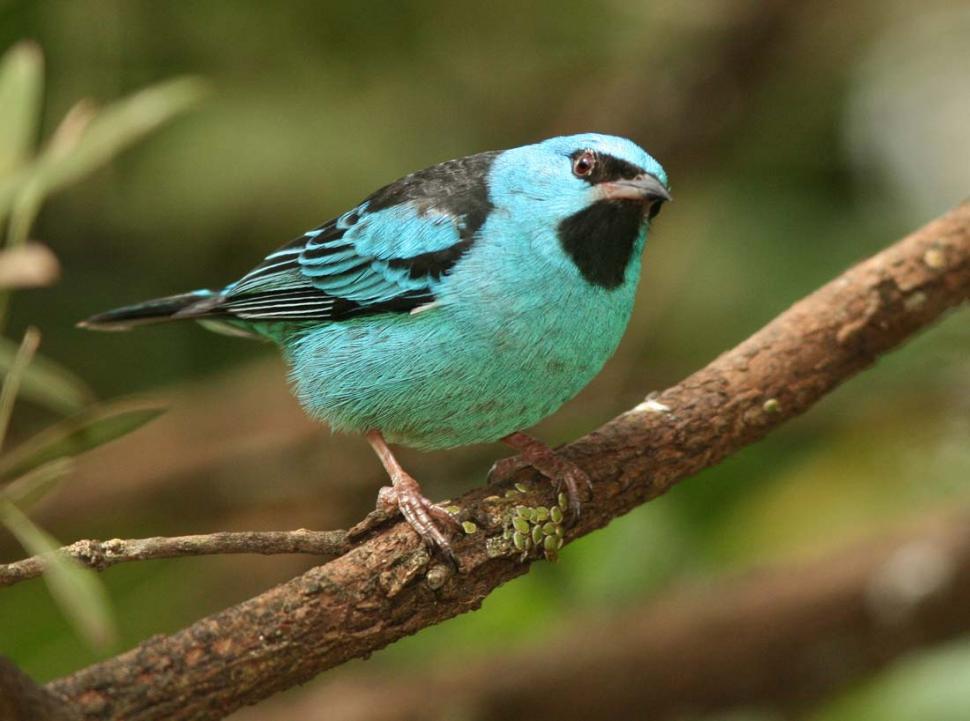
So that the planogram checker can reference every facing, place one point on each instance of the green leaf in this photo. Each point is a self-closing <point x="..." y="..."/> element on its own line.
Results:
<point x="86" y="140"/>
<point x="77" y="590"/>
<point x="21" y="88"/>
<point x="29" y="195"/>
<point x="11" y="382"/>
<point x="113" y="129"/>
<point x="31" y="488"/>
<point x="89" y="429"/>
<point x="47" y="383"/>
<point x="9" y="185"/>
<point x="26" y="206"/>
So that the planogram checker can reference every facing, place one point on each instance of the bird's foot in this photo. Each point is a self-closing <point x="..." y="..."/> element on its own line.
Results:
<point x="505" y="468"/>
<point x="433" y="523"/>
<point x="535" y="453"/>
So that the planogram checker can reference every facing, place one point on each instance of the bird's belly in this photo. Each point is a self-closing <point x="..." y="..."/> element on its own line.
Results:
<point x="441" y="378"/>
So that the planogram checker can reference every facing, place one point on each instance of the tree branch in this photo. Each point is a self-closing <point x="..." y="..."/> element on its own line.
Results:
<point x="22" y="700"/>
<point x="389" y="586"/>
<point x="782" y="638"/>
<point x="99" y="555"/>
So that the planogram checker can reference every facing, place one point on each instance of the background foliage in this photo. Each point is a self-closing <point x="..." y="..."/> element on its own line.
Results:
<point x="840" y="129"/>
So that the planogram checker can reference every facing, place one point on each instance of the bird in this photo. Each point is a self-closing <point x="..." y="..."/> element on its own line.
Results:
<point x="459" y="304"/>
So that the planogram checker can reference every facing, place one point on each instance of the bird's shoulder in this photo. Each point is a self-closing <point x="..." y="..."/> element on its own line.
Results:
<point x="387" y="254"/>
<point x="457" y="187"/>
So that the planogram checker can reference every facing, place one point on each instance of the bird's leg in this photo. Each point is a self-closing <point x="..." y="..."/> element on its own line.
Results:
<point x="535" y="453"/>
<point x="404" y="495"/>
<point x="505" y="468"/>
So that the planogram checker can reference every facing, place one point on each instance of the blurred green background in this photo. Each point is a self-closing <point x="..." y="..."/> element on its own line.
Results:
<point x="799" y="138"/>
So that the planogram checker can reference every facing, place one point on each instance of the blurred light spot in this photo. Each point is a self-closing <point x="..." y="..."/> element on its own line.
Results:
<point x="912" y="574"/>
<point x="908" y="109"/>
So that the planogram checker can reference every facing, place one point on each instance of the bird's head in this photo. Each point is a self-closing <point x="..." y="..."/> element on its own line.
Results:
<point x="598" y="192"/>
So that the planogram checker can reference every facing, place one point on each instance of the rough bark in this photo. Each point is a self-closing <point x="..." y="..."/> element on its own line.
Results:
<point x="389" y="586"/>
<point x="774" y="638"/>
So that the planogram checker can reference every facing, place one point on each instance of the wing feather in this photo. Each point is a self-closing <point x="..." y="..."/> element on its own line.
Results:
<point x="388" y="254"/>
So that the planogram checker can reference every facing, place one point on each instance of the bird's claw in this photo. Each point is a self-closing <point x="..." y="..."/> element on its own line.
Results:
<point x="573" y="478"/>
<point x="505" y="468"/>
<point x="538" y="455"/>
<point x="431" y="522"/>
<point x="565" y="475"/>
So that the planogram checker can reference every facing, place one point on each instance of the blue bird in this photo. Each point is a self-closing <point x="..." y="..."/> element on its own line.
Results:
<point x="460" y="304"/>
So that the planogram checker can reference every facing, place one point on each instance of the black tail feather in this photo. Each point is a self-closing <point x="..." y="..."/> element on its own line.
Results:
<point x="158" y="310"/>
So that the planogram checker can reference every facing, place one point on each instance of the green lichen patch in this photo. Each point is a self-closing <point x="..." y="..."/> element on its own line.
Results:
<point x="536" y="529"/>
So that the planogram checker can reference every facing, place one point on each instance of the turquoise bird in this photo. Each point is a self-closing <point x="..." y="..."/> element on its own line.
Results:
<point x="460" y="304"/>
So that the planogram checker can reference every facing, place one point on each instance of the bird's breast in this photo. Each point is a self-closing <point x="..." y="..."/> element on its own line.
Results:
<point x="504" y="346"/>
<point x="532" y="344"/>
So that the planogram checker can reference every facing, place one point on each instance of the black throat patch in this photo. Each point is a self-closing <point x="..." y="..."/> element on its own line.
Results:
<point x="600" y="240"/>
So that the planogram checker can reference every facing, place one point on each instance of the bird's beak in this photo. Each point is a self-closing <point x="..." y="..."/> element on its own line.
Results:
<point x="644" y="187"/>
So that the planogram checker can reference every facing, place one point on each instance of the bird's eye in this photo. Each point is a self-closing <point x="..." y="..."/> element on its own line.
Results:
<point x="583" y="164"/>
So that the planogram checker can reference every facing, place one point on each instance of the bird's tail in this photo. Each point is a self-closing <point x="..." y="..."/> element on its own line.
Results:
<point x="173" y="307"/>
